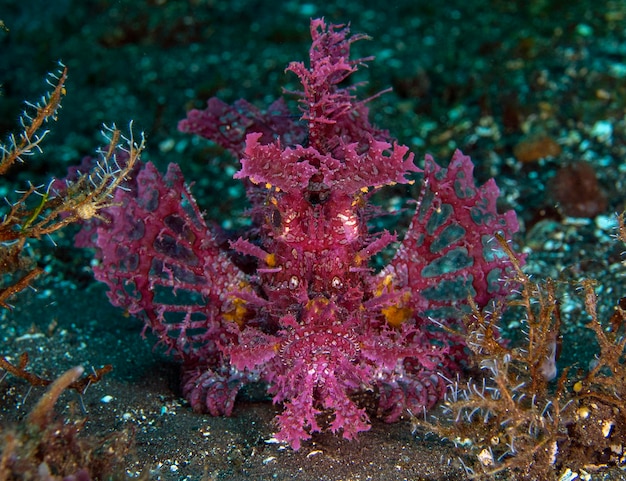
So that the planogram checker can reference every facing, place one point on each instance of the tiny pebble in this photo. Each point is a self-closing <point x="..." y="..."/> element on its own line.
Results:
<point x="606" y="222"/>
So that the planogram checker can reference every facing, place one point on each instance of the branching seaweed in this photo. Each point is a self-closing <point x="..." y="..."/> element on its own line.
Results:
<point x="41" y="210"/>
<point x="44" y="446"/>
<point x="515" y="416"/>
<point x="80" y="385"/>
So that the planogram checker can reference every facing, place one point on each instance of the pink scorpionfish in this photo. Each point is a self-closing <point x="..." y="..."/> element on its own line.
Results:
<point x="295" y="303"/>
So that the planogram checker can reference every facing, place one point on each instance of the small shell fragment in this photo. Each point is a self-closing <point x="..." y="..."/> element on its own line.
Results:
<point x="568" y="475"/>
<point x="485" y="457"/>
<point x="607" y="428"/>
<point x="583" y="412"/>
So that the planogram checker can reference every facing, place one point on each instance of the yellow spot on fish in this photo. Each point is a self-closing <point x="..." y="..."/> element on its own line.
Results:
<point x="396" y="315"/>
<point x="317" y="304"/>
<point x="237" y="313"/>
